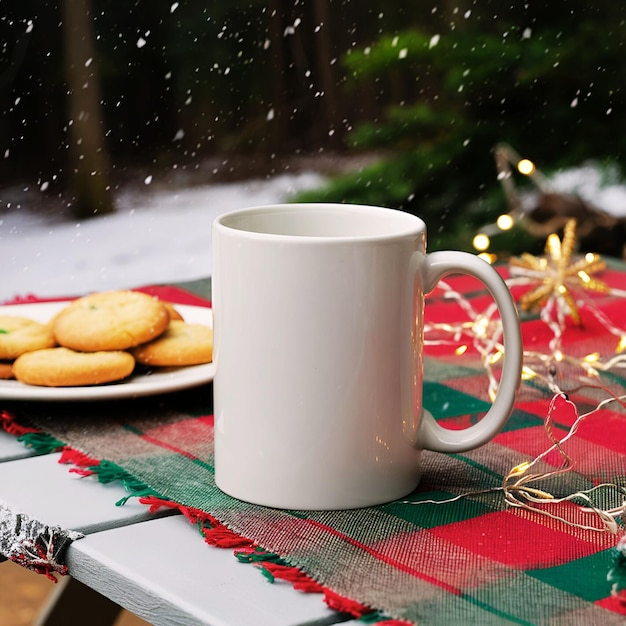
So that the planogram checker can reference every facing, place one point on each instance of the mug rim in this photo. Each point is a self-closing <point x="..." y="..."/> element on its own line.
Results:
<point x="404" y="224"/>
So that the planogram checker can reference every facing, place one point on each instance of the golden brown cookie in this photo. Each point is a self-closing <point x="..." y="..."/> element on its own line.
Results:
<point x="110" y="320"/>
<point x="175" y="314"/>
<point x="62" y="367"/>
<point x="6" y="370"/>
<point x="181" y="344"/>
<point x="20" y="334"/>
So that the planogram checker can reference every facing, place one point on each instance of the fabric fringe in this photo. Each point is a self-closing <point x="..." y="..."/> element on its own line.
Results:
<point x="9" y="422"/>
<point x="107" y="472"/>
<point x="345" y="605"/>
<point x="258" y="555"/>
<point x="40" y="442"/>
<point x="298" y="579"/>
<point x="213" y="531"/>
<point x="82" y="463"/>
<point x="271" y="565"/>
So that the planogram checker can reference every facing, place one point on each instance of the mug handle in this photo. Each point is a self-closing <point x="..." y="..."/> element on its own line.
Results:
<point x="433" y="267"/>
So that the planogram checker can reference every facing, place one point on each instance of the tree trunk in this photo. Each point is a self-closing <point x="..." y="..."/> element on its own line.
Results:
<point x="326" y="73"/>
<point x="6" y="79"/>
<point x="280" y="88"/>
<point x="88" y="157"/>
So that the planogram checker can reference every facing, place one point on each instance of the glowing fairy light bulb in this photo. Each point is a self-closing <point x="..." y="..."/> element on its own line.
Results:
<point x="481" y="242"/>
<point x="520" y="469"/>
<point x="495" y="357"/>
<point x="480" y="326"/>
<point x="505" y="222"/>
<point x="526" y="167"/>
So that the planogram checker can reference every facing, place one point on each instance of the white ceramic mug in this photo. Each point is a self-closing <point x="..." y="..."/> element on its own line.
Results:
<point x="318" y="337"/>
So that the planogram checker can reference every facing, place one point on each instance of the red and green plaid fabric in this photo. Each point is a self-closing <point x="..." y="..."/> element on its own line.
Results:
<point x="430" y="558"/>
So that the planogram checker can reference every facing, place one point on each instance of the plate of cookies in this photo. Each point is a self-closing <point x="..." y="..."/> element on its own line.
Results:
<point x="105" y="345"/>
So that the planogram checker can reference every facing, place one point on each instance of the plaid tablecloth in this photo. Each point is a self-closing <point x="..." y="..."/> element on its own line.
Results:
<point x="456" y="551"/>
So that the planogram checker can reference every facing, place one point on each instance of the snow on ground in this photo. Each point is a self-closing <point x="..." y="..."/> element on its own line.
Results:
<point x="155" y="236"/>
<point x="164" y="235"/>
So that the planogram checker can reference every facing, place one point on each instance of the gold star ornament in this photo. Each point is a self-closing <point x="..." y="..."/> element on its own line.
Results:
<point x="558" y="274"/>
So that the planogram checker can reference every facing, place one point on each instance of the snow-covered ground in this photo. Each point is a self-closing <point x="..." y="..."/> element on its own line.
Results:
<point x="156" y="236"/>
<point x="160" y="235"/>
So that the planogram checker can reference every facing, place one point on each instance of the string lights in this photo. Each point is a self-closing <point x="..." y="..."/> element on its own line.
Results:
<point x="519" y="492"/>
<point x="506" y="157"/>
<point x="558" y="286"/>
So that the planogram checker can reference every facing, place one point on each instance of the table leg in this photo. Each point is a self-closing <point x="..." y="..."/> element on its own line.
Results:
<point x="71" y="599"/>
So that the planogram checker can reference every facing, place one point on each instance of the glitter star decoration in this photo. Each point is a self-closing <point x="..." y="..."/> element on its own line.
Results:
<point x="559" y="274"/>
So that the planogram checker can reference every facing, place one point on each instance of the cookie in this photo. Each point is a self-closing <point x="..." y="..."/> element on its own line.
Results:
<point x="110" y="320"/>
<point x="6" y="370"/>
<point x="20" y="334"/>
<point x="175" y="314"/>
<point x="181" y="344"/>
<point x="62" y="367"/>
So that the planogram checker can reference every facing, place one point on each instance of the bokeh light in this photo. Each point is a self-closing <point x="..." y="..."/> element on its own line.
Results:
<point x="481" y="242"/>
<point x="526" y="167"/>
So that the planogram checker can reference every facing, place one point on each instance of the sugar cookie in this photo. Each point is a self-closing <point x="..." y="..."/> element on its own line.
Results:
<point x="6" y="370"/>
<point x="110" y="320"/>
<point x="181" y="344"/>
<point x="63" y="367"/>
<point x="20" y="334"/>
<point x="175" y="314"/>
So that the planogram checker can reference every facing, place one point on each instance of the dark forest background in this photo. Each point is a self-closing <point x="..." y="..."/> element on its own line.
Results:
<point x="93" y="89"/>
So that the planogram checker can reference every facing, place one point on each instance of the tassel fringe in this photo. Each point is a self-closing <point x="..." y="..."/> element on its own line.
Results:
<point x="298" y="579"/>
<point x="271" y="565"/>
<point x="345" y="605"/>
<point x="82" y="464"/>
<point x="9" y="423"/>
<point x="34" y="438"/>
<point x="41" y="443"/>
<point x="258" y="555"/>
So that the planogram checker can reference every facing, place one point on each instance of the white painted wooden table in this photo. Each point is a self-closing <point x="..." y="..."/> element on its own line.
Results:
<point x="155" y="565"/>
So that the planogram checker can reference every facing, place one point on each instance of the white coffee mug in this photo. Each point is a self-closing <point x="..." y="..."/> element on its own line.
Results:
<point x="318" y="340"/>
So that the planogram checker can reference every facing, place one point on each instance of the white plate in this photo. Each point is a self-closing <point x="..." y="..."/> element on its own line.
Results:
<point x="156" y="382"/>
